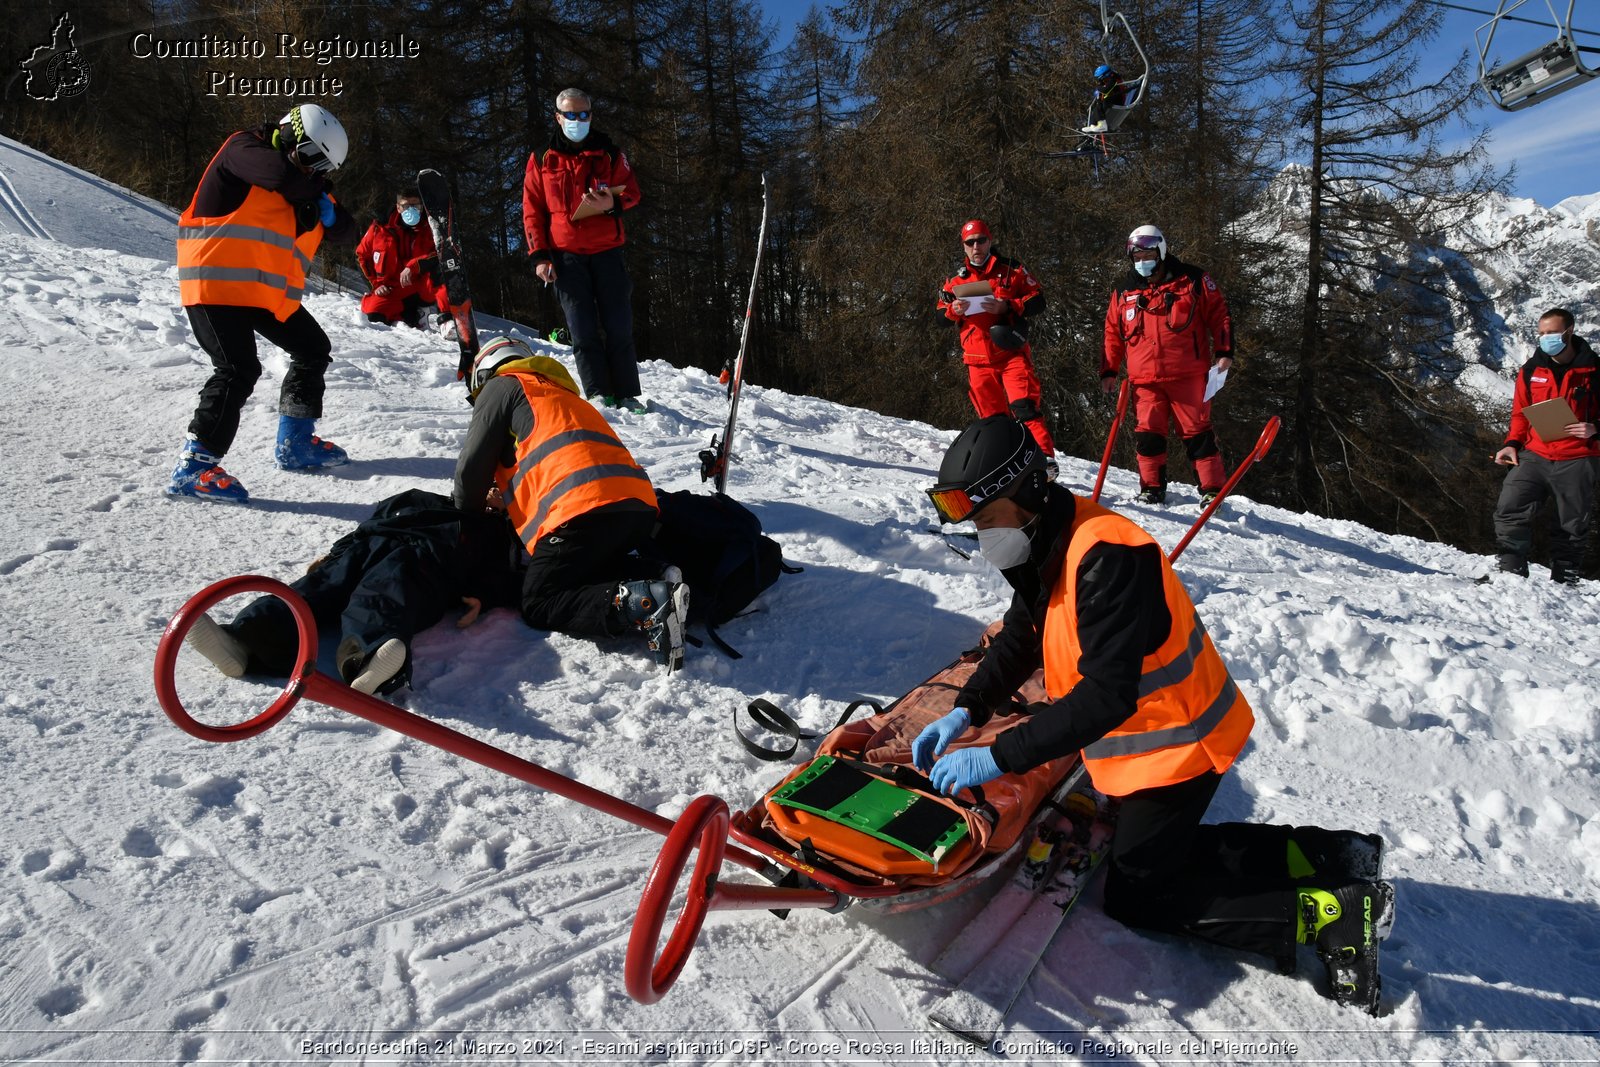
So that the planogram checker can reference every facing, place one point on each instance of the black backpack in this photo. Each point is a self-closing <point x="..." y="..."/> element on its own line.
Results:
<point x="726" y="559"/>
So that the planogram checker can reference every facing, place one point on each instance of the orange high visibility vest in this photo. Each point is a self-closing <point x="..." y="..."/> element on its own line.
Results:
<point x="1190" y="717"/>
<point x="250" y="258"/>
<point x="571" y="463"/>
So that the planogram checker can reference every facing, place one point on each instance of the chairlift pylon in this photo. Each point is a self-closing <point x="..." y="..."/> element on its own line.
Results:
<point x="1547" y="71"/>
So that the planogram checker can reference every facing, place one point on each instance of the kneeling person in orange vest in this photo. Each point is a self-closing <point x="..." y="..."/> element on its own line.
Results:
<point x="577" y="499"/>
<point x="245" y="245"/>
<point x="1136" y="684"/>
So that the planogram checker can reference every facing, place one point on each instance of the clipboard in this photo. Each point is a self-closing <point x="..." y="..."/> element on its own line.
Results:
<point x="1550" y="418"/>
<point x="586" y="208"/>
<point x="966" y="289"/>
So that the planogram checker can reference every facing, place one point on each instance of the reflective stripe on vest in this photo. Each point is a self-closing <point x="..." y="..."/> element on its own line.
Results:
<point x="250" y="258"/>
<point x="1189" y="717"/>
<point x="571" y="463"/>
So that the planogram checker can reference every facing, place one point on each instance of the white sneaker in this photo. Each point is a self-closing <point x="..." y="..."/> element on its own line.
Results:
<point x="226" y="653"/>
<point x="1099" y="127"/>
<point x="383" y="665"/>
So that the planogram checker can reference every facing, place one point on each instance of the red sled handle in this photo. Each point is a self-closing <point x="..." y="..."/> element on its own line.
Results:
<point x="704" y="824"/>
<point x="1269" y="433"/>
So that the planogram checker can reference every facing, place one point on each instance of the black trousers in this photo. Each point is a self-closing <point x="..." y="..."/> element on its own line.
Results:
<point x="596" y="295"/>
<point x="1571" y="483"/>
<point x="228" y="335"/>
<point x="1228" y="883"/>
<point x="575" y="569"/>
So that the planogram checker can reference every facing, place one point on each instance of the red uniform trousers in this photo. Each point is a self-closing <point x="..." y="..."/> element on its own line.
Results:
<point x="392" y="305"/>
<point x="1010" y="388"/>
<point x="1155" y="402"/>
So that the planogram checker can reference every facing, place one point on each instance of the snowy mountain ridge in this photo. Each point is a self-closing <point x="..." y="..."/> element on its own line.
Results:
<point x="329" y="887"/>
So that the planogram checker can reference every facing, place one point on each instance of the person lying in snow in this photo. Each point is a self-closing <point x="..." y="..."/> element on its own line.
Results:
<point x="389" y="579"/>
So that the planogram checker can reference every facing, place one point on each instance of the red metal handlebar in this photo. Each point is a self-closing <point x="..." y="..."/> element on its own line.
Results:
<point x="704" y="824"/>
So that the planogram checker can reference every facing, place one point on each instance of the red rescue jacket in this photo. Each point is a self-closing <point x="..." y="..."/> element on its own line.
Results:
<point x="1012" y="283"/>
<point x="555" y="182"/>
<point x="390" y="247"/>
<point x="1541" y="378"/>
<point x="1167" y="330"/>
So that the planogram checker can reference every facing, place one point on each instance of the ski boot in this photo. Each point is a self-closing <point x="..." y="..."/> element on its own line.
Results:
<point x="1346" y="925"/>
<point x="198" y="474"/>
<point x="381" y="672"/>
<point x="633" y="404"/>
<point x="1207" y="496"/>
<point x="298" y="449"/>
<point x="658" y="609"/>
<point x="1334" y="857"/>
<point x="1153" y="494"/>
<point x="216" y="644"/>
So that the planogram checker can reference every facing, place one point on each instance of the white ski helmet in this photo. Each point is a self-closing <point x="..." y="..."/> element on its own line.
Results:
<point x="491" y="357"/>
<point x="1148" y="237"/>
<point x="316" y="137"/>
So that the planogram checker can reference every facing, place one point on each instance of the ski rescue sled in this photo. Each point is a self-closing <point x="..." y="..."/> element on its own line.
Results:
<point x="856" y="825"/>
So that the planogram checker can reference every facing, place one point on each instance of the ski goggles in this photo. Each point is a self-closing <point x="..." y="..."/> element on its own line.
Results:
<point x="1144" y="243"/>
<point x="313" y="157"/>
<point x="952" y="503"/>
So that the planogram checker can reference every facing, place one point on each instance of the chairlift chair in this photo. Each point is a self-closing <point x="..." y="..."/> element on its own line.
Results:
<point x="1547" y="71"/>
<point x="1115" y="114"/>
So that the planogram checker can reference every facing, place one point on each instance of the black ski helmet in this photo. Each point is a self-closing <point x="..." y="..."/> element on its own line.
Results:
<point x="992" y="459"/>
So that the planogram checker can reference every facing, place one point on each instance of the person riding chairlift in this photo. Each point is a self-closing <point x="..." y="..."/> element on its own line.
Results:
<point x="1109" y="105"/>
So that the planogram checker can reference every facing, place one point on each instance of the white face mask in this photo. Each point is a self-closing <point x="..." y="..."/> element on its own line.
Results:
<point x="1004" y="546"/>
<point x="575" y="129"/>
<point x="411" y="215"/>
<point x="1145" y="267"/>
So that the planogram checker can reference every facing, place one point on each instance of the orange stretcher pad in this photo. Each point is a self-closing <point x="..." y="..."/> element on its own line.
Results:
<point x="868" y="834"/>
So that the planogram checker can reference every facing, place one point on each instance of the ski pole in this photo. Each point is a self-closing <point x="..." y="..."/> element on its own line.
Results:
<point x="1263" y="444"/>
<point x="1116" y="423"/>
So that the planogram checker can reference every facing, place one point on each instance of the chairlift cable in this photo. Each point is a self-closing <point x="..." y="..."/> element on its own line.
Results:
<point x="1507" y="18"/>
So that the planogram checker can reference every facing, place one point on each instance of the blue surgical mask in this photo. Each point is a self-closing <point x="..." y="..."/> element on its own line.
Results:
<point x="575" y="129"/>
<point x="1146" y="267"/>
<point x="411" y="215"/>
<point x="1551" y="343"/>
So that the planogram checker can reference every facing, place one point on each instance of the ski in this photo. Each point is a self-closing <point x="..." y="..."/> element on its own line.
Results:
<point x="1269" y="432"/>
<point x="978" y="1007"/>
<point x="436" y="201"/>
<point x="1038" y="867"/>
<point x="714" y="460"/>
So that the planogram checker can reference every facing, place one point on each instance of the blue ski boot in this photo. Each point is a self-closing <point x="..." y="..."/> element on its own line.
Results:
<point x="298" y="449"/>
<point x="657" y="609"/>
<point x="198" y="474"/>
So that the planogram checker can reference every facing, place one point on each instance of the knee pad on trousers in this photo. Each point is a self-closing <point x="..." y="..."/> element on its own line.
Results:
<point x="1150" y="444"/>
<point x="1201" y="445"/>
<point x="1025" y="410"/>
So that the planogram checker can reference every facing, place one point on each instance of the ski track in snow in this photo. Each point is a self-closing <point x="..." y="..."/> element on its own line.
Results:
<point x="329" y="880"/>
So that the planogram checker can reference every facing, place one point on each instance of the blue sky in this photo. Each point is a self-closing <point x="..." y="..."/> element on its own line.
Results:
<point x="1555" y="145"/>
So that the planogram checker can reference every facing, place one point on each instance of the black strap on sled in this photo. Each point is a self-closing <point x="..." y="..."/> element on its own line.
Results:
<point x="770" y="717"/>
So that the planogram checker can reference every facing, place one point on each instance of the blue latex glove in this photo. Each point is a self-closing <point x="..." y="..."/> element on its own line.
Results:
<point x="325" y="209"/>
<point x="936" y="737"/>
<point x="964" y="769"/>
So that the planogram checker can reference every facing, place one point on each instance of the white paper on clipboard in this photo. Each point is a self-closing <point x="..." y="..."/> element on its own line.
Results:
<point x="1214" y="382"/>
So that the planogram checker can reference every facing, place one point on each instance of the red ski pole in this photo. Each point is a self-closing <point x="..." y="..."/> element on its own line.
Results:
<point x="1263" y="445"/>
<point x="1111" y="438"/>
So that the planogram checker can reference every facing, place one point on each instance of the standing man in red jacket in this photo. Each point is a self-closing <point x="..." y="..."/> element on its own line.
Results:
<point x="573" y="197"/>
<point x="398" y="258"/>
<point x="994" y="334"/>
<point x="1170" y="322"/>
<point x="1566" y="468"/>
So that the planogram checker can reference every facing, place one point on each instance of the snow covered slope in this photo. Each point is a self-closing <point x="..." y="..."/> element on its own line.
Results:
<point x="329" y="882"/>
